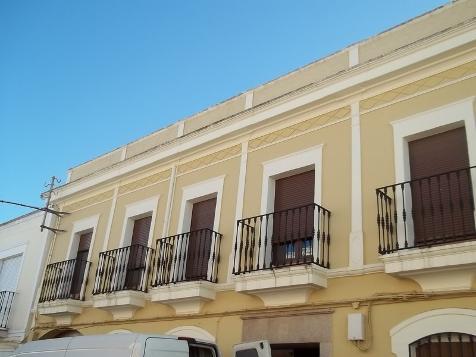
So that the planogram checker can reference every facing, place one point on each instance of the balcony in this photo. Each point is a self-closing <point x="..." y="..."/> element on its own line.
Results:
<point x="186" y="269"/>
<point x="426" y="229"/>
<point x="6" y="302"/>
<point x="63" y="289"/>
<point x="122" y="280"/>
<point x="285" y="251"/>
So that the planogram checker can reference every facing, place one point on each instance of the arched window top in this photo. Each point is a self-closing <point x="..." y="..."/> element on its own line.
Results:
<point x="428" y="323"/>
<point x="444" y="344"/>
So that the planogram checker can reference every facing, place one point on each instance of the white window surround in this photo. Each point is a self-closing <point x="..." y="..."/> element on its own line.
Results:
<point x="289" y="165"/>
<point x="82" y="226"/>
<point x="7" y="253"/>
<point x="434" y="121"/>
<point x="285" y="166"/>
<point x="199" y="192"/>
<point x="137" y="210"/>
<point x="428" y="323"/>
<point x="11" y="253"/>
<point x="193" y="332"/>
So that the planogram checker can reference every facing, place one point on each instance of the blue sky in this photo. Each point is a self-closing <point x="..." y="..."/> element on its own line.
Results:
<point x="80" y="78"/>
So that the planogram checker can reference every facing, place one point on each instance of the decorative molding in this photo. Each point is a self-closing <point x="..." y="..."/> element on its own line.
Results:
<point x="146" y="181"/>
<point x="354" y="77"/>
<point x="299" y="128"/>
<point x="101" y="197"/>
<point x="209" y="159"/>
<point x="419" y="86"/>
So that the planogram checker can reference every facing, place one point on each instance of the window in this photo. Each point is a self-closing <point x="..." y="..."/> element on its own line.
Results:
<point x="441" y="187"/>
<point x="81" y="265"/>
<point x="137" y="259"/>
<point x="9" y="272"/>
<point x="445" y="344"/>
<point x="200" y="239"/>
<point x="428" y="200"/>
<point x="293" y="221"/>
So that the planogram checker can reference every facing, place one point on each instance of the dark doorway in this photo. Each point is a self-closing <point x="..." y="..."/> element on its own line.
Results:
<point x="295" y="350"/>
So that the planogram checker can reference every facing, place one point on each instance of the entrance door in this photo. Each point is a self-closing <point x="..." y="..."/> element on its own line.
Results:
<point x="137" y="260"/>
<point x="200" y="239"/>
<point x="80" y="265"/>
<point x="293" y="219"/>
<point x="441" y="201"/>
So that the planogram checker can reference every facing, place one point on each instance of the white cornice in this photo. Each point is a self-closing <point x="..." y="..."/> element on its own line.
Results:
<point x="352" y="78"/>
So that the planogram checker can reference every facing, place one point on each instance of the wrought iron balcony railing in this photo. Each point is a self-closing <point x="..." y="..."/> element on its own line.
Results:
<point x="125" y="268"/>
<point x="187" y="257"/>
<point x="432" y="210"/>
<point x="6" y="302"/>
<point x="65" y="280"/>
<point x="294" y="236"/>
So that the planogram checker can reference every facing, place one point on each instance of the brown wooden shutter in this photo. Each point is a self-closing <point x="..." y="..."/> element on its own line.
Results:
<point x="140" y="233"/>
<point x="203" y="214"/>
<point x="200" y="239"/>
<point x="137" y="260"/>
<point x="438" y="153"/>
<point x="436" y="200"/>
<point x="294" y="191"/>
<point x="84" y="242"/>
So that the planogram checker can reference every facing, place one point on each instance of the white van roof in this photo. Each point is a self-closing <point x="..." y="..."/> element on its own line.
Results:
<point x="114" y="341"/>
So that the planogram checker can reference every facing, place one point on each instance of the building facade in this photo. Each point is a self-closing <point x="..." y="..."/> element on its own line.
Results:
<point x="330" y="211"/>
<point x="23" y="251"/>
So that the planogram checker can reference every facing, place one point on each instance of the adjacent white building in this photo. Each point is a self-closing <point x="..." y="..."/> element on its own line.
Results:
<point x="23" y="251"/>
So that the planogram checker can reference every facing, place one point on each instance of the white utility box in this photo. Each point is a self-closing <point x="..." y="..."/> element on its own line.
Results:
<point x="356" y="327"/>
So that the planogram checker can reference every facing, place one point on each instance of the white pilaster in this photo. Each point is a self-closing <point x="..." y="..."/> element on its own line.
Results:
<point x="170" y="198"/>
<point x="239" y="203"/>
<point x="110" y="219"/>
<point x="356" y="239"/>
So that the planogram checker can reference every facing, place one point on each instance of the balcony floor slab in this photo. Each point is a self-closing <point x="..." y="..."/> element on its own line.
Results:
<point x="121" y="304"/>
<point x="185" y="297"/>
<point x="283" y="286"/>
<point x="63" y="311"/>
<point x="439" y="268"/>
